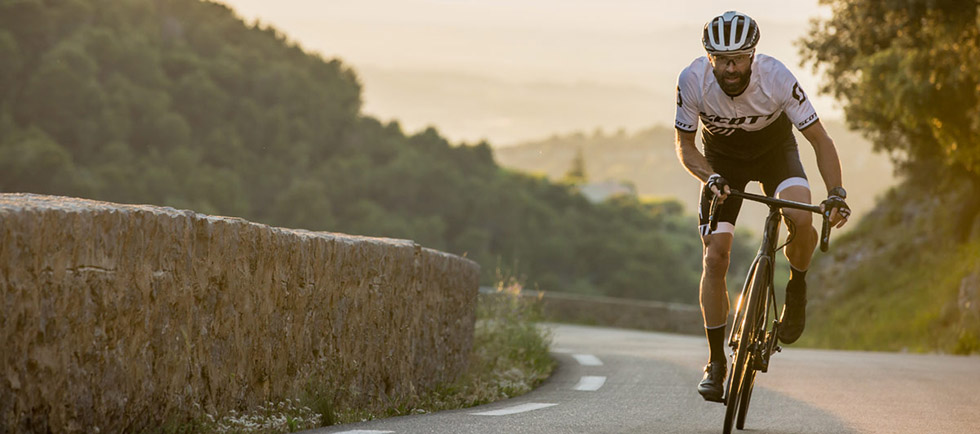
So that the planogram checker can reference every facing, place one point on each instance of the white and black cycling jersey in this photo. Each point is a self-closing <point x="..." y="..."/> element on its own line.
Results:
<point x="744" y="126"/>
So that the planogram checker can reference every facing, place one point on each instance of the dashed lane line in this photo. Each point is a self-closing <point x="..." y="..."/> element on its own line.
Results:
<point x="365" y="431"/>
<point x="587" y="360"/>
<point x="515" y="409"/>
<point x="590" y="383"/>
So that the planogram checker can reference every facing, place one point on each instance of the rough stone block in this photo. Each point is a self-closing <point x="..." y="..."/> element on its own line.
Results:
<point x="122" y="316"/>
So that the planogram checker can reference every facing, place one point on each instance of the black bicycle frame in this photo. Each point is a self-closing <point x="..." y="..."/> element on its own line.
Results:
<point x="774" y="206"/>
<point x="751" y="337"/>
<point x="767" y="253"/>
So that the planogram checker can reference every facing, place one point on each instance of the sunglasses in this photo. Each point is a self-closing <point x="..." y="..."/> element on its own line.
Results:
<point x="737" y="59"/>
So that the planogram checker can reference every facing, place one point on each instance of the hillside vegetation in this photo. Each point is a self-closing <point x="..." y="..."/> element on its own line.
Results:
<point x="908" y="277"/>
<point x="901" y="280"/>
<point x="180" y="103"/>
<point x="647" y="160"/>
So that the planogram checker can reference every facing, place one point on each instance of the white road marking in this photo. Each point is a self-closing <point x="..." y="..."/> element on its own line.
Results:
<point x="365" y="431"/>
<point x="590" y="383"/>
<point x="515" y="409"/>
<point x="561" y="350"/>
<point x="587" y="360"/>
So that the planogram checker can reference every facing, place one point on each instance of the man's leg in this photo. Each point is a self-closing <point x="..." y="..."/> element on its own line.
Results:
<point x="714" y="308"/>
<point x="714" y="291"/>
<point x="798" y="252"/>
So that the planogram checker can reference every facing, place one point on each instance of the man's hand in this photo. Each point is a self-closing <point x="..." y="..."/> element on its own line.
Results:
<point x="719" y="186"/>
<point x="839" y="211"/>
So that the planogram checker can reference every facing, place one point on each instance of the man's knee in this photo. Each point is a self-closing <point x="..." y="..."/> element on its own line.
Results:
<point x="717" y="248"/>
<point x="716" y="261"/>
<point x="801" y="220"/>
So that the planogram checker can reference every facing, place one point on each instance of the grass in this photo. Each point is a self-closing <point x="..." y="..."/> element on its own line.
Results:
<point x="509" y="358"/>
<point x="284" y="416"/>
<point x="892" y="284"/>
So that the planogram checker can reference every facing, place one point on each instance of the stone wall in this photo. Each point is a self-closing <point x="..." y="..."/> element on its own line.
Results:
<point x="618" y="312"/>
<point x="119" y="317"/>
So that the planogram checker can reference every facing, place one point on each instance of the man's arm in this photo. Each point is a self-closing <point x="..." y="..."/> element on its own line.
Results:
<point x="690" y="156"/>
<point x="827" y="162"/>
<point x="693" y="160"/>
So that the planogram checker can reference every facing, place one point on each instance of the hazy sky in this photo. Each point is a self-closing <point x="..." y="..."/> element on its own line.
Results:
<point x="508" y="70"/>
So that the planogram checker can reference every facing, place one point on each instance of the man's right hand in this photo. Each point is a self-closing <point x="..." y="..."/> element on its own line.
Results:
<point x="719" y="186"/>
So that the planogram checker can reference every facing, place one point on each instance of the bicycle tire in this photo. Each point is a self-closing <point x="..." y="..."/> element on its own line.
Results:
<point x="739" y="305"/>
<point x="748" y="383"/>
<point x="743" y="360"/>
<point x="760" y="289"/>
<point x="733" y="388"/>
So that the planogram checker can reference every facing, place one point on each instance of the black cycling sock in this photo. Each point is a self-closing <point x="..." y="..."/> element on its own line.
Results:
<point x="797" y="280"/>
<point x="716" y="344"/>
<point x="796" y="274"/>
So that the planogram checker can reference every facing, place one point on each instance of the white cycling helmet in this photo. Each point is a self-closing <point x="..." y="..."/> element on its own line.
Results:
<point x="730" y="33"/>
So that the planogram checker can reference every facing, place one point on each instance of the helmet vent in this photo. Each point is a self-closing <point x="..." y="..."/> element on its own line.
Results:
<point x="730" y="32"/>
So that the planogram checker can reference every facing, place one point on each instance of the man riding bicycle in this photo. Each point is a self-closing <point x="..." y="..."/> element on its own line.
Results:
<point x="747" y="104"/>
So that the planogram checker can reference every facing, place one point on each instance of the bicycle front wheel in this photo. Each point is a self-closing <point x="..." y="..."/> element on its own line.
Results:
<point x="748" y="382"/>
<point x="760" y="289"/>
<point x="740" y="383"/>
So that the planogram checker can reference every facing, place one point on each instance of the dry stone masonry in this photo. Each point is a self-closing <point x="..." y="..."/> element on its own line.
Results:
<point x="119" y="317"/>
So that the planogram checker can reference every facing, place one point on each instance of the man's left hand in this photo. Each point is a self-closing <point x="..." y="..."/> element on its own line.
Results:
<point x="839" y="211"/>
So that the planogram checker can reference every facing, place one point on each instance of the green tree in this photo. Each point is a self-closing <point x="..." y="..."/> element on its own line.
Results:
<point x="11" y="64"/>
<point x="304" y="205"/>
<point x="179" y="103"/>
<point x="62" y="87"/>
<point x="32" y="162"/>
<point x="906" y="72"/>
<point x="576" y="173"/>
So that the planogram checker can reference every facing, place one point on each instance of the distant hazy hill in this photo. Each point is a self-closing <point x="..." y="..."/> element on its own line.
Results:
<point x="180" y="103"/>
<point x="647" y="160"/>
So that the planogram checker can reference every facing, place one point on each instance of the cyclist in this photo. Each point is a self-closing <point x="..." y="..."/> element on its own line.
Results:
<point x="747" y="104"/>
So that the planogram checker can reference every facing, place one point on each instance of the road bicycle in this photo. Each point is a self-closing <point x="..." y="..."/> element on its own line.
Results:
<point x="753" y="338"/>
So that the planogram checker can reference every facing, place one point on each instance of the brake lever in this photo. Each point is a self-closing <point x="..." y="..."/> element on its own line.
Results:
<point x="825" y="232"/>
<point x="713" y="218"/>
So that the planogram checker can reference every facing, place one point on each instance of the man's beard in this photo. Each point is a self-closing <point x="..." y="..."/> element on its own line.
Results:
<point x="733" y="88"/>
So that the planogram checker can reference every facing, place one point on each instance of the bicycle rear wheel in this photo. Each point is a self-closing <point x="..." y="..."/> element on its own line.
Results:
<point x="743" y="375"/>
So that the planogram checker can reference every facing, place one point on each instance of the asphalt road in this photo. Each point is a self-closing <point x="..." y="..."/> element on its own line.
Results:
<point x="620" y="381"/>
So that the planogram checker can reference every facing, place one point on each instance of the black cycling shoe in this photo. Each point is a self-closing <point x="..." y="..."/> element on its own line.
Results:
<point x="793" y="321"/>
<point x="712" y="386"/>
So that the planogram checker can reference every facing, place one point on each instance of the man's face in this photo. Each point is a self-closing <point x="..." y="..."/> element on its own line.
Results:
<point x="732" y="71"/>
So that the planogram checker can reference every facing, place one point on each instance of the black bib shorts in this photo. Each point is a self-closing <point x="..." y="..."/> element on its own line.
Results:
<point x="775" y="169"/>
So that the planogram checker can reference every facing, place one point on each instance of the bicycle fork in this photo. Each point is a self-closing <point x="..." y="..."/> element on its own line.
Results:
<point x="767" y="343"/>
<point x="770" y="345"/>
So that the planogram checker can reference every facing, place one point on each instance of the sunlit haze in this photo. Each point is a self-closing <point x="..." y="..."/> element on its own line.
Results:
<point x="508" y="70"/>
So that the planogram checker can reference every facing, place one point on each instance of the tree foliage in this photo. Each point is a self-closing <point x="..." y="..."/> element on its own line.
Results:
<point x="179" y="103"/>
<point x="907" y="72"/>
<point x="576" y="173"/>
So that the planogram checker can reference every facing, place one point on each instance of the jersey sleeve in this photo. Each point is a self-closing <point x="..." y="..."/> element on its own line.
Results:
<point x="796" y="104"/>
<point x="688" y="102"/>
